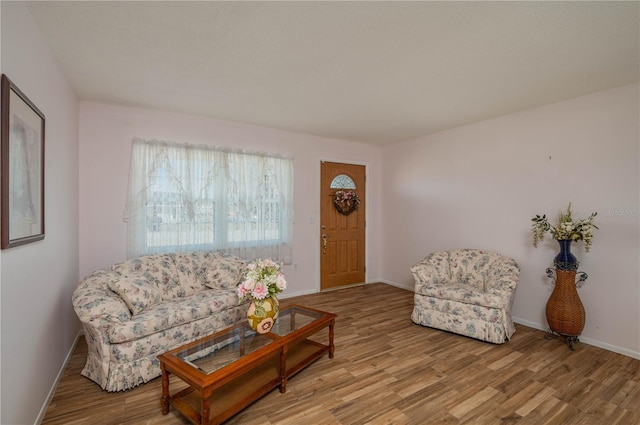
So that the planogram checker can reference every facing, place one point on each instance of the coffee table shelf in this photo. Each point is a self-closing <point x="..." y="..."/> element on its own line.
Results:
<point x="231" y="397"/>
<point x="230" y="369"/>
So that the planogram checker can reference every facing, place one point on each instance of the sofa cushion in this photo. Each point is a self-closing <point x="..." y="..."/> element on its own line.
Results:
<point x="224" y="272"/>
<point x="137" y="292"/>
<point x="149" y="346"/>
<point x="169" y="314"/>
<point x="187" y="265"/>
<point x="157" y="268"/>
<point x="219" y="299"/>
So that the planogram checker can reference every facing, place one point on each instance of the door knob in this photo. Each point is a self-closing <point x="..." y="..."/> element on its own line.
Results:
<point x="324" y="243"/>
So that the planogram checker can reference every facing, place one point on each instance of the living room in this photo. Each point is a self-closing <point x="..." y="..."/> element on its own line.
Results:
<point x="473" y="185"/>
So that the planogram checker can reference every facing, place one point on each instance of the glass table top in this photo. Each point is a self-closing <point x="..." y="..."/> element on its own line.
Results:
<point x="239" y="340"/>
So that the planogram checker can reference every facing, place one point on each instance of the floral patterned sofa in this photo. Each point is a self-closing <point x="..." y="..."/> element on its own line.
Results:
<point x="138" y="309"/>
<point x="466" y="291"/>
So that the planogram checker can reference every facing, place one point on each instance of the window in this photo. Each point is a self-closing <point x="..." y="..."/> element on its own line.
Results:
<point x="188" y="198"/>
<point x="342" y="181"/>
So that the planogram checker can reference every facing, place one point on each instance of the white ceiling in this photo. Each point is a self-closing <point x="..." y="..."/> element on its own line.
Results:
<point x="373" y="72"/>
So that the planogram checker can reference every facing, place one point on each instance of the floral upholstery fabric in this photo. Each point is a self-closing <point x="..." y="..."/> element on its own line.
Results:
<point x="224" y="273"/>
<point x="172" y="313"/>
<point x="93" y="300"/>
<point x="136" y="292"/>
<point x="186" y="265"/>
<point x="463" y="293"/>
<point x="467" y="291"/>
<point x="157" y="268"/>
<point x="123" y="347"/>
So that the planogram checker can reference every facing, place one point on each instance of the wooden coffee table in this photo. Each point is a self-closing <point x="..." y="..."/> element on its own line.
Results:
<point x="230" y="369"/>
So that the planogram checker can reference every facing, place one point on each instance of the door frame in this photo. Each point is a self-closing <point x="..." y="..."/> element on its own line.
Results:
<point x="316" y="237"/>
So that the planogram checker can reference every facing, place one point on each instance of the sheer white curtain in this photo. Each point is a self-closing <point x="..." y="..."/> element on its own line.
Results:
<point x="192" y="198"/>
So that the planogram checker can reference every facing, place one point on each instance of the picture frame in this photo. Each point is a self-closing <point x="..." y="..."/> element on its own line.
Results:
<point x="21" y="168"/>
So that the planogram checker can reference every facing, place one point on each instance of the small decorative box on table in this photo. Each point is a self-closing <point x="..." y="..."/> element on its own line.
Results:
<point x="230" y="369"/>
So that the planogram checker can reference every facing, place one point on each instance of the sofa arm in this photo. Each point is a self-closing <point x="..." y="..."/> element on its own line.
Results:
<point x="93" y="301"/>
<point x="98" y="308"/>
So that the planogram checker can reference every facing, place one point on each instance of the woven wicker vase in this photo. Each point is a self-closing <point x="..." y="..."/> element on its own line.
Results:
<point x="565" y="312"/>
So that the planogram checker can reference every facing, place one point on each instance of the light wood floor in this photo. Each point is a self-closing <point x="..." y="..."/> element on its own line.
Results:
<point x="389" y="371"/>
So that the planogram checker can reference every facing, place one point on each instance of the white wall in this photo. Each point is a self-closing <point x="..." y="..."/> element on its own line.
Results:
<point x="478" y="186"/>
<point x="106" y="132"/>
<point x="38" y="325"/>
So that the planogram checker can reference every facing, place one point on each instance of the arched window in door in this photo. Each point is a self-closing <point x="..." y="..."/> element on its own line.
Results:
<point x="342" y="181"/>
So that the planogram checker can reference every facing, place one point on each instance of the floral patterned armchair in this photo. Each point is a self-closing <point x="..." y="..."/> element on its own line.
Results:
<point x="466" y="291"/>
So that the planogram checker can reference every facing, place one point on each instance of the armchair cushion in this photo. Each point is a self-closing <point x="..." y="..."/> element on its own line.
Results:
<point x="463" y="293"/>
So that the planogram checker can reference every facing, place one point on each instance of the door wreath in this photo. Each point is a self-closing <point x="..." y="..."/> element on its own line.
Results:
<point x="346" y="201"/>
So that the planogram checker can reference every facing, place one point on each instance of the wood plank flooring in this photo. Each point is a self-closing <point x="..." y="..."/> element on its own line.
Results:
<point x="388" y="370"/>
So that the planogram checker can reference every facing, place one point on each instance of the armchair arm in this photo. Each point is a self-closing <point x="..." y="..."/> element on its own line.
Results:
<point x="433" y="269"/>
<point x="423" y="273"/>
<point x="504" y="276"/>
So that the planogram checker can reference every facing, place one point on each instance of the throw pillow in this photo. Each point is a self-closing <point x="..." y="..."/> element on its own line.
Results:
<point x="224" y="273"/>
<point x="136" y="292"/>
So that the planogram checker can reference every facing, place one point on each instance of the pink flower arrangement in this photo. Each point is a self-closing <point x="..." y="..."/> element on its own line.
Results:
<point x="262" y="280"/>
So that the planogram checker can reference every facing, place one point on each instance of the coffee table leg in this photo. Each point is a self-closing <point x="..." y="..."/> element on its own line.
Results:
<point x="331" y="346"/>
<point x="165" y="390"/>
<point x="283" y="371"/>
<point x="205" y="411"/>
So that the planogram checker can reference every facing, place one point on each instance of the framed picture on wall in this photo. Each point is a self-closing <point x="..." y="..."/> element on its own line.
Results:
<point x="21" y="168"/>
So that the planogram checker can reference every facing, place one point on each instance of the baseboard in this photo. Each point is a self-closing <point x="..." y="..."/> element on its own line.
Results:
<point x="52" y="391"/>
<point x="586" y="340"/>
<point x="398" y="285"/>
<point x="283" y="296"/>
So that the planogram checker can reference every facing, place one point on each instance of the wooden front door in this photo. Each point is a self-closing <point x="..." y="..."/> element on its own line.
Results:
<point x="342" y="235"/>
